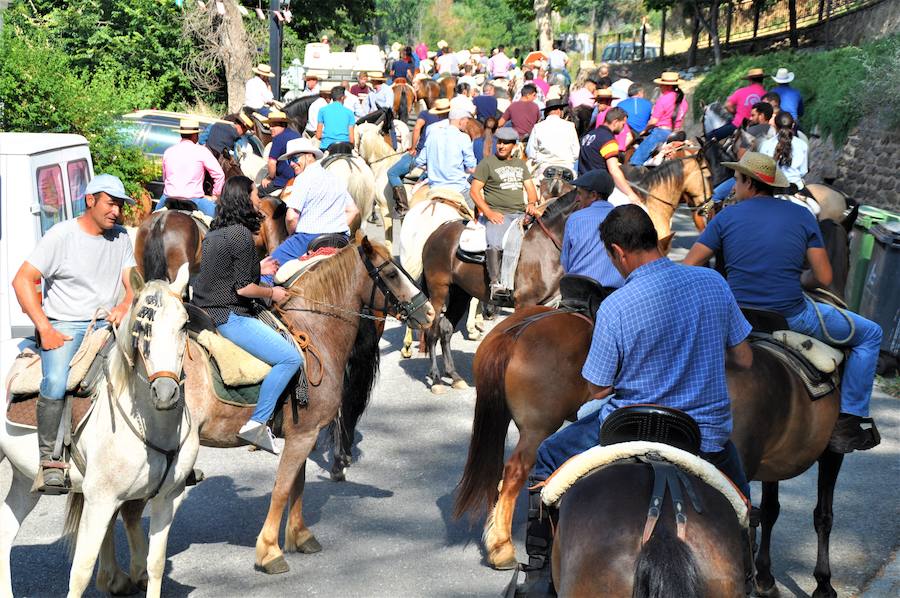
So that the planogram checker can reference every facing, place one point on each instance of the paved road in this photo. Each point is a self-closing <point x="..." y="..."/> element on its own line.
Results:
<point x="388" y="531"/>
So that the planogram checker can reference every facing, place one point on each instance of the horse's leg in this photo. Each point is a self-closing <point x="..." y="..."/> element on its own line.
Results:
<point x="498" y="527"/>
<point x="432" y="334"/>
<point x="269" y="557"/>
<point x="131" y="513"/>
<point x="406" y="350"/>
<point x="96" y="519"/>
<point x="823" y="516"/>
<point x="110" y="577"/>
<point x="769" y="509"/>
<point x="456" y="307"/>
<point x="20" y="501"/>
<point x="472" y="329"/>
<point x="342" y="441"/>
<point x="162" y="512"/>
<point x="297" y="537"/>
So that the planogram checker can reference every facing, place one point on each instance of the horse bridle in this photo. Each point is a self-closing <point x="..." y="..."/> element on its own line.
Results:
<point x="144" y="319"/>
<point x="698" y="156"/>
<point x="403" y="309"/>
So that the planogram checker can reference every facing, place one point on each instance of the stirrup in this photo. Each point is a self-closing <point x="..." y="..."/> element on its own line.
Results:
<point x="40" y="484"/>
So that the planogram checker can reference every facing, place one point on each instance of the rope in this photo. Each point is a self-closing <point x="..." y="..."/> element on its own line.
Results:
<point x="830" y="339"/>
<point x="305" y="344"/>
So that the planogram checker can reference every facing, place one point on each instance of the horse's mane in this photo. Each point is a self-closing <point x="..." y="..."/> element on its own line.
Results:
<point x="300" y="106"/>
<point x="670" y="171"/>
<point x="154" y="263"/>
<point x="329" y="280"/>
<point x="560" y="206"/>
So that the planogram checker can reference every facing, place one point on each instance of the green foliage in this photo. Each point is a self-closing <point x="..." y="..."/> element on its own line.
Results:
<point x="485" y="23"/>
<point x="346" y="20"/>
<point x="840" y="87"/>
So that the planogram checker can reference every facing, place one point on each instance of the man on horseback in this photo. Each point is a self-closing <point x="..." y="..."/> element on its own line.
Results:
<point x="184" y="167"/>
<point x="335" y="122"/>
<point x="740" y="103"/>
<point x="382" y="97"/>
<point x="664" y="338"/>
<point x="600" y="151"/>
<point x="523" y="114"/>
<point x="258" y="91"/>
<point x="486" y="102"/>
<point x="223" y="137"/>
<point x="788" y="236"/>
<point x="554" y="139"/>
<point x="497" y="188"/>
<point x="448" y="154"/>
<point x="278" y="172"/>
<point x="84" y="264"/>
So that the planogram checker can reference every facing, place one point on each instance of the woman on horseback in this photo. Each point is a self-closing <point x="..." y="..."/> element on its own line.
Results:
<point x="227" y="287"/>
<point x="791" y="153"/>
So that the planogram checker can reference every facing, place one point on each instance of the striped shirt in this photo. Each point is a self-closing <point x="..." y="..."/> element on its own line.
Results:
<point x="661" y="339"/>
<point x="582" y="248"/>
<point x="321" y="199"/>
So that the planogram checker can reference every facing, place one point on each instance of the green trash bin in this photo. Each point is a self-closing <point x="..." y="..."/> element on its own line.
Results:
<point x="881" y="293"/>
<point x="861" y="243"/>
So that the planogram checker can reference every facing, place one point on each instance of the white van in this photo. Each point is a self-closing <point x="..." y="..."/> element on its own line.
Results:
<point x="42" y="181"/>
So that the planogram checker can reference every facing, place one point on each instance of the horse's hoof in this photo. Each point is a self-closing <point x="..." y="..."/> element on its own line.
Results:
<point x="311" y="546"/>
<point x="340" y="475"/>
<point x="475" y="335"/>
<point x="274" y="567"/>
<point x="438" y="389"/>
<point x="768" y="592"/>
<point x="406" y="352"/>
<point x="827" y="592"/>
<point x="459" y="385"/>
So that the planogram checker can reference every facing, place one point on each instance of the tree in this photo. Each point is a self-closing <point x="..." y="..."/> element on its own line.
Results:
<point x="541" y="9"/>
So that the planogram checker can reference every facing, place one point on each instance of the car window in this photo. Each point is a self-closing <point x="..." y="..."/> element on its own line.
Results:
<point x="51" y="196"/>
<point x="78" y="180"/>
<point x="159" y="138"/>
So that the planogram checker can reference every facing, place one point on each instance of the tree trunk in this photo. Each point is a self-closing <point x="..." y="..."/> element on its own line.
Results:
<point x="695" y="40"/>
<point x="712" y="27"/>
<point x="756" y="8"/>
<point x="544" y="25"/>
<point x="792" y="9"/>
<point x="662" y="34"/>
<point x="237" y="57"/>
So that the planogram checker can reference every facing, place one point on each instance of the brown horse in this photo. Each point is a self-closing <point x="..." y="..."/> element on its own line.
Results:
<point x="427" y="90"/>
<point x="404" y="100"/>
<point x="447" y="85"/>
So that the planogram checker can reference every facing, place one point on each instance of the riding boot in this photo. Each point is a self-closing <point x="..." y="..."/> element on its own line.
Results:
<point x="538" y="542"/>
<point x="52" y="475"/>
<point x="492" y="262"/>
<point x="401" y="203"/>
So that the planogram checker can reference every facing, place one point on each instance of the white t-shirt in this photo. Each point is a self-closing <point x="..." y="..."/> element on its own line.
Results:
<point x="557" y="60"/>
<point x="313" y="115"/>
<point x="799" y="165"/>
<point x="256" y="93"/>
<point x="447" y="63"/>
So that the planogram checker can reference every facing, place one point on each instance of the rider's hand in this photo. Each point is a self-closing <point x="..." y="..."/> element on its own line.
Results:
<point x="531" y="209"/>
<point x="494" y="216"/>
<point x="116" y="314"/>
<point x="51" y="338"/>
<point x="412" y="151"/>
<point x="265" y="182"/>
<point x="268" y="266"/>
<point x="279" y="294"/>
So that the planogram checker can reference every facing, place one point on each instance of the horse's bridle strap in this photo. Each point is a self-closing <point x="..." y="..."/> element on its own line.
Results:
<point x="164" y="374"/>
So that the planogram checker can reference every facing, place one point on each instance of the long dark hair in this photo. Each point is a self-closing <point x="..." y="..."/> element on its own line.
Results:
<point x="235" y="206"/>
<point x="679" y="97"/>
<point x="784" y="127"/>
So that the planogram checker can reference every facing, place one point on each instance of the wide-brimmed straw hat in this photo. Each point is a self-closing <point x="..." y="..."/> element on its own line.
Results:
<point x="605" y="93"/>
<point x="443" y="43"/>
<point x="669" y="78"/>
<point x="245" y="120"/>
<point x="783" y="75"/>
<point x="756" y="72"/>
<point x="188" y="126"/>
<point x="276" y="117"/>
<point x="263" y="70"/>
<point x="299" y="146"/>
<point x="759" y="167"/>
<point x="475" y="50"/>
<point x="376" y="77"/>
<point x="441" y="106"/>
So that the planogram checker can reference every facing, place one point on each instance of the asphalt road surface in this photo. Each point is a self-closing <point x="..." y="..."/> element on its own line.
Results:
<point x="388" y="530"/>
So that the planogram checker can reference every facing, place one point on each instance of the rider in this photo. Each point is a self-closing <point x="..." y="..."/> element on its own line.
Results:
<point x="184" y="166"/>
<point x="486" y="102"/>
<point x="759" y="128"/>
<point x="667" y="116"/>
<point x="278" y="172"/>
<point x="789" y="151"/>
<point x="222" y="137"/>
<point x="558" y="62"/>
<point x="523" y="114"/>
<point x="497" y="192"/>
<point x="335" y="122"/>
<point x="740" y="103"/>
<point x="226" y="286"/>
<point x="258" y="90"/>
<point x="637" y="108"/>
<point x="664" y="338"/>
<point x="766" y="242"/>
<point x="554" y="139"/>
<point x="600" y="150"/>
<point x="84" y="263"/>
<point x="312" y="86"/>
<point x="582" y="250"/>
<point x="382" y="97"/>
<point x="448" y="155"/>
<point x="318" y="200"/>
<point x="790" y="99"/>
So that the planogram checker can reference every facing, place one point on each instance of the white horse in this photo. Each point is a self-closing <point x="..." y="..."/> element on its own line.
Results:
<point x="380" y="156"/>
<point x="360" y="181"/>
<point x="137" y="444"/>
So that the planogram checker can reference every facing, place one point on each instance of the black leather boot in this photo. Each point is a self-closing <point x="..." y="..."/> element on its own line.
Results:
<point x="538" y="542"/>
<point x="492" y="257"/>
<point x="401" y="203"/>
<point x="52" y="476"/>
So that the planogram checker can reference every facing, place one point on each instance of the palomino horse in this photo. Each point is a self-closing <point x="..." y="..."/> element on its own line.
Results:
<point x="137" y="443"/>
<point x="359" y="178"/>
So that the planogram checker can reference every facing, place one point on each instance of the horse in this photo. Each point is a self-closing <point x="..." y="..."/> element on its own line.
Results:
<point x="298" y="112"/>
<point x="447" y="85"/>
<point x="137" y="442"/>
<point x="359" y="178"/>
<point x="404" y="100"/>
<point x="427" y="91"/>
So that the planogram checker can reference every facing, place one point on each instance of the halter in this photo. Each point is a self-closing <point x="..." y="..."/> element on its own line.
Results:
<point x="140" y="343"/>
<point x="403" y="309"/>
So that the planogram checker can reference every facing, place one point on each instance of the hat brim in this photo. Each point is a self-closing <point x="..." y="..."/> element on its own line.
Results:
<point x="779" y="183"/>
<point x="555" y="106"/>
<point x="665" y="82"/>
<point x="187" y="131"/>
<point x="263" y="73"/>
<point x="787" y="79"/>
<point x="314" y="151"/>
<point x="438" y="111"/>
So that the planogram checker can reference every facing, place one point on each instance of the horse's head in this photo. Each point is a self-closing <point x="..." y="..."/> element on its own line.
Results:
<point x="272" y="229"/>
<point x="402" y="298"/>
<point x="714" y="116"/>
<point x="153" y="336"/>
<point x="556" y="181"/>
<point x="697" y="189"/>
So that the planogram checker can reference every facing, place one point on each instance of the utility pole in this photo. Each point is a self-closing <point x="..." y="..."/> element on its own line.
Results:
<point x="275" y="36"/>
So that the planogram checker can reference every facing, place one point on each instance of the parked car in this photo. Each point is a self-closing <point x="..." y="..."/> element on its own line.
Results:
<point x="628" y="52"/>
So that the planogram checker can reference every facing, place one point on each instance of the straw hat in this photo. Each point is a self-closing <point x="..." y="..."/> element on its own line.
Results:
<point x="759" y="167"/>
<point x="475" y="50"/>
<point x="245" y="120"/>
<point x="605" y="93"/>
<point x="443" y="43"/>
<point x="441" y="106"/>
<point x="263" y="70"/>
<point x="376" y="77"/>
<point x="756" y="72"/>
<point x="276" y="117"/>
<point x="300" y="146"/>
<point x="783" y="75"/>
<point x="188" y="126"/>
<point x="395" y="46"/>
<point x="669" y="78"/>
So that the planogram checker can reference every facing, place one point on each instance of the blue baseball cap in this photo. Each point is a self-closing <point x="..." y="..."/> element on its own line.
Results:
<point x="109" y="184"/>
<point x="596" y="180"/>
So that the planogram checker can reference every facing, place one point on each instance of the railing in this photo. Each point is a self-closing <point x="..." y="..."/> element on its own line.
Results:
<point x="736" y="20"/>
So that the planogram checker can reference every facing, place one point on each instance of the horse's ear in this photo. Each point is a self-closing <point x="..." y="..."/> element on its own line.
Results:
<point x="181" y="280"/>
<point x="364" y="242"/>
<point x="136" y="280"/>
<point x="665" y="243"/>
<point x="359" y="237"/>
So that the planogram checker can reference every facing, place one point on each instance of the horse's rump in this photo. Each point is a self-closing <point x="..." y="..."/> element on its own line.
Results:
<point x="419" y="223"/>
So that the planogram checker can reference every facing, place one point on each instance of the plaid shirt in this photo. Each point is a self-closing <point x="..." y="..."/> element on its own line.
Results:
<point x="661" y="339"/>
<point x="582" y="249"/>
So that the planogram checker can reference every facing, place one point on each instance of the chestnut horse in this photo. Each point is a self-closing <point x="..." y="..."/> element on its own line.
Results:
<point x="404" y="100"/>
<point x="427" y="91"/>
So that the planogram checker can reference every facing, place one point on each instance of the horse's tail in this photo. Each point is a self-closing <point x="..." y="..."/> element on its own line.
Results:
<point x="666" y="567"/>
<point x="477" y="489"/>
<point x="74" y="508"/>
<point x="359" y="377"/>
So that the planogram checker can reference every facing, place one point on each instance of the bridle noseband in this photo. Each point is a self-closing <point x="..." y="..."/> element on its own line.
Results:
<point x="402" y="309"/>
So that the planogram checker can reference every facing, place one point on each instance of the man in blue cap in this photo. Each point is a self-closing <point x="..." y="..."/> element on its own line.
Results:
<point x="84" y="264"/>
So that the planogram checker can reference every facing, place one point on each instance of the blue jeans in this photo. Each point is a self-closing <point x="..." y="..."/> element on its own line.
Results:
<point x="859" y="369"/>
<point x="291" y="248"/>
<point x="585" y="433"/>
<point x="723" y="190"/>
<point x="642" y="153"/>
<point x="400" y="169"/>
<point x="265" y="344"/>
<point x="55" y="363"/>
<point x="722" y="132"/>
<point x="206" y="206"/>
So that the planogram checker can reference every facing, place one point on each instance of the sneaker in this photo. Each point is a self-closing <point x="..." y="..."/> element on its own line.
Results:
<point x="854" y="433"/>
<point x="259" y="435"/>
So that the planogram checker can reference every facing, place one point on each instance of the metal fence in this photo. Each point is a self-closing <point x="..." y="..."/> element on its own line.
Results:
<point x="744" y="19"/>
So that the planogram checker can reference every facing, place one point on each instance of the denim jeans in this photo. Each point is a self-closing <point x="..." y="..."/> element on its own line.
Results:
<point x="290" y="249"/>
<point x="396" y="172"/>
<point x="494" y="233"/>
<point x="722" y="132"/>
<point x="723" y="190"/>
<point x="55" y="362"/>
<point x="206" y="206"/>
<point x="642" y="153"/>
<point x="859" y="369"/>
<point x="265" y="344"/>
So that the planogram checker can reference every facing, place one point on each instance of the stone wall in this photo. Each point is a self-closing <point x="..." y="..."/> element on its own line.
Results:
<point x="865" y="24"/>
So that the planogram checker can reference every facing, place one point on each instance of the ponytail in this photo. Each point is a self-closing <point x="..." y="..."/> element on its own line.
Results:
<point x="679" y="98"/>
<point x="784" y="125"/>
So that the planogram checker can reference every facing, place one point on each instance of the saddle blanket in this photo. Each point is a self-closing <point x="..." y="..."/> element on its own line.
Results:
<point x="291" y="271"/>
<point x="24" y="412"/>
<point x="818" y="383"/>
<point x="236" y="367"/>
<point x="599" y="457"/>
<point x="824" y="357"/>
<point x="246" y="395"/>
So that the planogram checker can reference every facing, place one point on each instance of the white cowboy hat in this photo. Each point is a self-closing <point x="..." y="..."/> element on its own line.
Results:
<point x="264" y="70"/>
<point x="188" y="126"/>
<point x="783" y="75"/>
<point x="300" y="146"/>
<point x="443" y="44"/>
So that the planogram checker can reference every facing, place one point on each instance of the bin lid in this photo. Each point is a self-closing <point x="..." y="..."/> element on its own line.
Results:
<point x="869" y="216"/>
<point x="887" y="233"/>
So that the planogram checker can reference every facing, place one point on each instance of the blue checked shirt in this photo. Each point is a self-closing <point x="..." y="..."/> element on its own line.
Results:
<point x="447" y="155"/>
<point x="583" y="251"/>
<point x="321" y="199"/>
<point x="661" y="339"/>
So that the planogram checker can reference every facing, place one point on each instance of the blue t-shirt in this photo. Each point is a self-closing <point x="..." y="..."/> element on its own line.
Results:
<point x="478" y="148"/>
<point x="764" y="241"/>
<point x="337" y="120"/>
<point x="485" y="107"/>
<point x="283" y="170"/>
<point x="791" y="100"/>
<point x="429" y="119"/>
<point x="401" y="68"/>
<point x="638" y="111"/>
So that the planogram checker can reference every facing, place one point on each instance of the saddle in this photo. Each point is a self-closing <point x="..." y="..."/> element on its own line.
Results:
<point x="187" y="206"/>
<point x="582" y="294"/>
<point x="322" y="247"/>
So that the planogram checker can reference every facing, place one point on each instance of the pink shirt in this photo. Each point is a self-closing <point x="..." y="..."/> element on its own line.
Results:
<point x="663" y="109"/>
<point x="581" y="97"/>
<point x="621" y="138"/>
<point x="542" y="85"/>
<point x="184" y="166"/>
<point x="422" y="51"/>
<point x="498" y="65"/>
<point x="743" y="100"/>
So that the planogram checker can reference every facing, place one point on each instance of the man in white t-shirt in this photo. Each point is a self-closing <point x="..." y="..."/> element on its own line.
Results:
<point x="558" y="62"/>
<point x="258" y="91"/>
<point x="84" y="265"/>
<point x="447" y="63"/>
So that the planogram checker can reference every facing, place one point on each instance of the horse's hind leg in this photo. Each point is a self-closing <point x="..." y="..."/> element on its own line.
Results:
<point x="297" y="537"/>
<point x="823" y="516"/>
<point x="20" y="501"/>
<point x="456" y="308"/>
<point x="432" y="334"/>
<point x="110" y="577"/>
<point x="769" y="509"/>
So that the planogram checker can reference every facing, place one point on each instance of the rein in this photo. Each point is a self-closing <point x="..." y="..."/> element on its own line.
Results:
<point x="547" y="231"/>
<point x="706" y="197"/>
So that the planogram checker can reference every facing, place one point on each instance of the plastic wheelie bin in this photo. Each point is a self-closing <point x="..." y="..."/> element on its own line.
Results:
<point x="861" y="243"/>
<point x="881" y="292"/>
